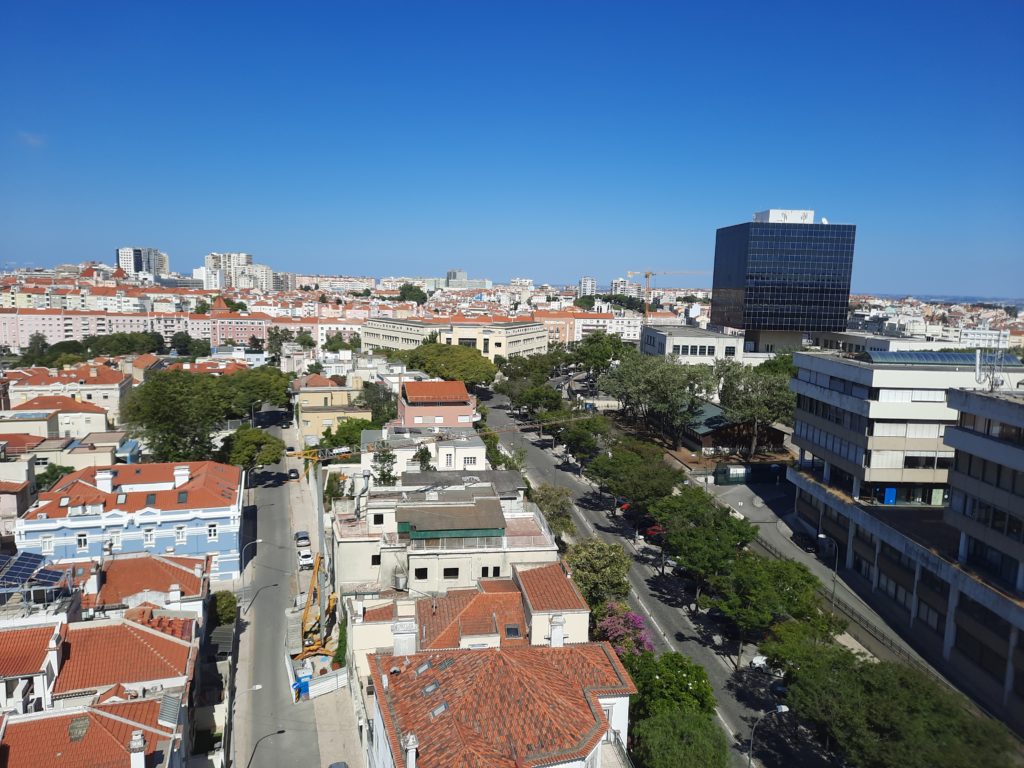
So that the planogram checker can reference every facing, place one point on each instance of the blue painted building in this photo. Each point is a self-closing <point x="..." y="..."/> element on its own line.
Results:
<point x="183" y="509"/>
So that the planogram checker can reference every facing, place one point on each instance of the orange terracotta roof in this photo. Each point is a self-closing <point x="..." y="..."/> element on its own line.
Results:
<point x="316" y="380"/>
<point x="209" y="485"/>
<point x="181" y="628"/>
<point x="145" y="361"/>
<point x="18" y="442"/>
<point x="23" y="651"/>
<point x="436" y="392"/>
<point x="127" y="576"/>
<point x="551" y="715"/>
<point x="90" y="374"/>
<point x="99" y="654"/>
<point x="380" y="613"/>
<point x="445" y="620"/>
<point x="44" y="738"/>
<point x="549" y="588"/>
<point x="9" y="487"/>
<point x="58" y="403"/>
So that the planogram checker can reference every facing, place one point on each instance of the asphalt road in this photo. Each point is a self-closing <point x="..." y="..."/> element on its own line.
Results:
<point x="269" y="590"/>
<point x="742" y="695"/>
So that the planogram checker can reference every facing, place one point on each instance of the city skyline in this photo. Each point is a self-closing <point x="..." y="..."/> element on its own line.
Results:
<point x="528" y="141"/>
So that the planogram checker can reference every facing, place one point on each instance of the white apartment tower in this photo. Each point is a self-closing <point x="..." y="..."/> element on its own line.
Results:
<point x="587" y="287"/>
<point x="135" y="260"/>
<point x="231" y="264"/>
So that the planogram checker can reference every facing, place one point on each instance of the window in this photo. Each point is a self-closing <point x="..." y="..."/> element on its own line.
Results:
<point x="180" y="535"/>
<point x="148" y="537"/>
<point x="439" y="419"/>
<point x="495" y="572"/>
<point x="46" y="542"/>
<point x="420" y="574"/>
<point x="150" y="499"/>
<point x="211" y="532"/>
<point x="115" y="538"/>
<point x="417" y="419"/>
<point x="374" y="559"/>
<point x="730" y="351"/>
<point x="449" y="460"/>
<point x="451" y="573"/>
<point x="512" y="632"/>
<point x="82" y="541"/>
<point x="703" y="350"/>
<point x="693" y="349"/>
<point x="469" y="461"/>
<point x="378" y="518"/>
<point x="484" y="571"/>
<point x="182" y="497"/>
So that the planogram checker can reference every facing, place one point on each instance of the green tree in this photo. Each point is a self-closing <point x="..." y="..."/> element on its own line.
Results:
<point x="346" y="434"/>
<point x="555" y="502"/>
<point x="225" y="607"/>
<point x="68" y="358"/>
<point x="305" y="339"/>
<point x="236" y="306"/>
<point x="596" y="352"/>
<point x="255" y="344"/>
<point x="452" y="362"/>
<point x="583" y="437"/>
<point x="423" y="456"/>
<point x="383" y="464"/>
<point x="669" y="682"/>
<point x="248" y="447"/>
<point x="336" y="342"/>
<point x="584" y="302"/>
<point x="636" y="472"/>
<point x="181" y="343"/>
<point x="381" y="402"/>
<point x="50" y="475"/>
<point x="323" y="298"/>
<point x="600" y="570"/>
<point x="757" y="591"/>
<point x="276" y="337"/>
<point x="35" y="349"/>
<point x="242" y="390"/>
<point x="175" y="413"/>
<point x="410" y="292"/>
<point x="759" y="397"/>
<point x="703" y="538"/>
<point x="199" y="348"/>
<point x="315" y="367"/>
<point x="679" y="738"/>
<point x="202" y="307"/>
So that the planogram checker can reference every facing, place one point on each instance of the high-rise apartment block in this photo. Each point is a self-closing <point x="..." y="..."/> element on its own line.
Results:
<point x="587" y="287"/>
<point x="149" y="260"/>
<point x="623" y="287"/>
<point x="916" y="481"/>
<point x="781" y="276"/>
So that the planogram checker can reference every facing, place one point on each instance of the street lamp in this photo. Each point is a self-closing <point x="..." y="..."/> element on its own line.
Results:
<point x="242" y="564"/>
<point x="780" y="709"/>
<point x="835" y="569"/>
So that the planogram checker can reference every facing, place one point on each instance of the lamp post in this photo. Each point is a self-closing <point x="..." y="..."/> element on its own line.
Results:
<point x="231" y="746"/>
<point x="780" y="709"/>
<point x="835" y="569"/>
<point x="242" y="565"/>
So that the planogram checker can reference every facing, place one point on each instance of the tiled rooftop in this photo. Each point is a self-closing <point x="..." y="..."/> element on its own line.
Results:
<point x="22" y="651"/>
<point x="509" y="707"/>
<point x="549" y="588"/>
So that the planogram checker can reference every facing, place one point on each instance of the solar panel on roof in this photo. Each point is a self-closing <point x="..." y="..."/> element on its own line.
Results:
<point x="940" y="358"/>
<point x="4" y="560"/>
<point x="49" y="576"/>
<point x="21" y="570"/>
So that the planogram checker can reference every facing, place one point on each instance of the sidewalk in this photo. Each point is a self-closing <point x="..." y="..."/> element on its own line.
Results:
<point x="336" y="729"/>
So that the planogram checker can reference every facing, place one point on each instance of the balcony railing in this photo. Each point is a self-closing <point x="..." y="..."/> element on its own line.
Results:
<point x="495" y="543"/>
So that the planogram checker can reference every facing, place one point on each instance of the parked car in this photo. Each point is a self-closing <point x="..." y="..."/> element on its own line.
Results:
<point x="655" y="535"/>
<point x="302" y="539"/>
<point x="305" y="558"/>
<point x="293" y="474"/>
<point x="805" y="541"/>
<point x="290" y="449"/>
<point x="779" y="689"/>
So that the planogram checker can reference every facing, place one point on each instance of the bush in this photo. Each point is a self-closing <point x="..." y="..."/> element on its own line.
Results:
<point x="225" y="607"/>
<point x="339" y="652"/>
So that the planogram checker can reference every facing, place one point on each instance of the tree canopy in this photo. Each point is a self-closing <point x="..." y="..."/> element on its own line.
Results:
<point x="667" y="683"/>
<point x="679" y="738"/>
<point x="248" y="447"/>
<point x="337" y="342"/>
<point x="600" y="570"/>
<point x="758" y="395"/>
<point x="410" y="292"/>
<point x="555" y="502"/>
<point x="176" y="413"/>
<point x="451" y="362"/>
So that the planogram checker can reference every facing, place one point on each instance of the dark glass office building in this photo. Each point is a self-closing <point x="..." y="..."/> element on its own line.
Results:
<point x="784" y="277"/>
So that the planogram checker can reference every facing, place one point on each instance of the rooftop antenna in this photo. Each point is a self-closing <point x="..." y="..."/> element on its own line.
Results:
<point x="988" y="368"/>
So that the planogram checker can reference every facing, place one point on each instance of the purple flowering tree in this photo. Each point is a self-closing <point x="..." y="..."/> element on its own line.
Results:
<point x="625" y="630"/>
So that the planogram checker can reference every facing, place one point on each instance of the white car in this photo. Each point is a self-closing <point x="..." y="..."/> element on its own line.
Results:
<point x="305" y="558"/>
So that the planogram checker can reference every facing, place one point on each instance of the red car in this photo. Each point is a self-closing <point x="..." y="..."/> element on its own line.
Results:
<point x="655" y="534"/>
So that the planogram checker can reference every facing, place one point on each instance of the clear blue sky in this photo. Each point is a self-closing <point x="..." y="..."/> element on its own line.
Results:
<point x="547" y="139"/>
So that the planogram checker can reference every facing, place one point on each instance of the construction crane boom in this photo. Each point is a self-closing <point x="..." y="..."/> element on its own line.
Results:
<point x="647" y="273"/>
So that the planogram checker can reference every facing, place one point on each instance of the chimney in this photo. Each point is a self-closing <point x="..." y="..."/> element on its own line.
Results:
<point x="174" y="594"/>
<point x="105" y="480"/>
<point x="198" y="571"/>
<point x="137" y="750"/>
<point x="557" y="631"/>
<point x="181" y="475"/>
<point x="411" y="743"/>
<point x="53" y="652"/>
<point x="93" y="373"/>
<point x="92" y="584"/>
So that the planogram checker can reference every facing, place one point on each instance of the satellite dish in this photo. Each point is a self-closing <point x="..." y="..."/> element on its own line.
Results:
<point x="824" y="220"/>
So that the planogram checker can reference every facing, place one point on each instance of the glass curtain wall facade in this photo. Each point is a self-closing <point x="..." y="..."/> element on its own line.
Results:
<point x="783" y="277"/>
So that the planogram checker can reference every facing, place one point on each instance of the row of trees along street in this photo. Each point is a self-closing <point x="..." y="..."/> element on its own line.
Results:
<point x="872" y="714"/>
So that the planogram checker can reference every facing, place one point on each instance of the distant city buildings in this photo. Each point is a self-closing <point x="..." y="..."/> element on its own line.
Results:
<point x="586" y="287"/>
<point x="135" y="261"/>
<point x="781" y="276"/>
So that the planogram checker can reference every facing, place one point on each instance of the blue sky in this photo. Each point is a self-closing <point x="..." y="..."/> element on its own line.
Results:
<point x="547" y="139"/>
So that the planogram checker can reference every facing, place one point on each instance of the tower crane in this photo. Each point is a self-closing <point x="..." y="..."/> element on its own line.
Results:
<point x="647" y="273"/>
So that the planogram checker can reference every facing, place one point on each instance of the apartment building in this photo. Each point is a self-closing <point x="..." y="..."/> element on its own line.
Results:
<point x="183" y="509"/>
<point x="493" y="339"/>
<point x="587" y="286"/>
<point x="100" y="385"/>
<point x="436" y="403"/>
<point x="321" y="403"/>
<point x="384" y="334"/>
<point x="688" y="344"/>
<point x="915" y="481"/>
<point x="459" y="448"/>
<point x="134" y="260"/>
<point x="432" y="540"/>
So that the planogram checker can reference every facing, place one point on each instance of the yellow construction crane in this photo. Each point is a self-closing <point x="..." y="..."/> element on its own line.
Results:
<point x="648" y="274"/>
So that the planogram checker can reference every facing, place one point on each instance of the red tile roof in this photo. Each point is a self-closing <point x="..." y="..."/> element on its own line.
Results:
<point x="23" y="651"/>
<point x="549" y="588"/>
<point x="210" y="485"/>
<point x="99" y="654"/>
<point x="90" y="374"/>
<point x="380" y="613"/>
<point x="7" y="487"/>
<point x="509" y="707"/>
<point x="436" y="392"/>
<point x="126" y="576"/>
<point x="183" y="629"/>
<point x="44" y="739"/>
<point x="19" y="443"/>
<point x="58" y="403"/>
<point x="444" y="621"/>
